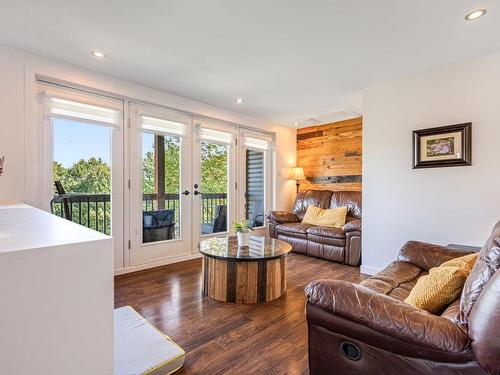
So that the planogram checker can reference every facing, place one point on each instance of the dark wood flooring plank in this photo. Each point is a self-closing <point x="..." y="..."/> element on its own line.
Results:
<point x="228" y="338"/>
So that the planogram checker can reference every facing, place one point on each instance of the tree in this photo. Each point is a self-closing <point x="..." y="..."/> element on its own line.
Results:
<point x="148" y="173"/>
<point x="213" y="168"/>
<point x="91" y="176"/>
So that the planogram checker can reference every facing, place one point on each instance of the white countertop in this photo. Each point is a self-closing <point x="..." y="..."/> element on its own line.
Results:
<point x="23" y="227"/>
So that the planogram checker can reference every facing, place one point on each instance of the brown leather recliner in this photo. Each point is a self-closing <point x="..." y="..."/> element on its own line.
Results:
<point x="337" y="244"/>
<point x="367" y="328"/>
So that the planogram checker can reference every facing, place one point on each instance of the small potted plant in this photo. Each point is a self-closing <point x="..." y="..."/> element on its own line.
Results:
<point x="242" y="229"/>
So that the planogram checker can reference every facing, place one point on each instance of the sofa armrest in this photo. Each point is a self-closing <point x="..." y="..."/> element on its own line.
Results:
<point x="387" y="315"/>
<point x="352" y="226"/>
<point x="282" y="217"/>
<point x="427" y="255"/>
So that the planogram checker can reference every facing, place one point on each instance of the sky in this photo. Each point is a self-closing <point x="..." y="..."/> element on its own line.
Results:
<point x="75" y="140"/>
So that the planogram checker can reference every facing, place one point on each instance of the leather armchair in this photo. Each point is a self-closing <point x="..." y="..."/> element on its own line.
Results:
<point x="368" y="328"/>
<point x="341" y="245"/>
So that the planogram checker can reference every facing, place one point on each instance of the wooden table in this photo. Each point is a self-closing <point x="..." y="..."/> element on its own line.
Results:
<point x="250" y="274"/>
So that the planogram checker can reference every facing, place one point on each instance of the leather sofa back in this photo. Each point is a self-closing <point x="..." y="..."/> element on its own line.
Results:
<point x="349" y="199"/>
<point x="480" y="304"/>
<point x="318" y="198"/>
<point x="484" y="323"/>
<point x="328" y="199"/>
<point x="487" y="264"/>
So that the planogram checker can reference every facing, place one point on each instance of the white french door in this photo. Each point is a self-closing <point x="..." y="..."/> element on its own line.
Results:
<point x="214" y="179"/>
<point x="160" y="182"/>
<point x="158" y="186"/>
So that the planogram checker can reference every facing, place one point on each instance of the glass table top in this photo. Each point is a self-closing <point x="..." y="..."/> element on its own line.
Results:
<point x="259" y="248"/>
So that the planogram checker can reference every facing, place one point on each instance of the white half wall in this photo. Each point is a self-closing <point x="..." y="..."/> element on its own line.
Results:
<point x="14" y="63"/>
<point x="439" y="205"/>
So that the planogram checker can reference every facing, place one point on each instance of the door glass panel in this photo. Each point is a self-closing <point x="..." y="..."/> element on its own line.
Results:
<point x="81" y="173"/>
<point x="214" y="187"/>
<point x="254" y="204"/>
<point x="160" y="187"/>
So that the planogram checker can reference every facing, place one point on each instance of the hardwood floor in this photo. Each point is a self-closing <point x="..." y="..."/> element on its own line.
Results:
<point x="225" y="338"/>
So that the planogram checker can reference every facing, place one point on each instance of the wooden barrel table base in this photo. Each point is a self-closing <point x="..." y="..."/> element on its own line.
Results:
<point x="252" y="274"/>
<point x="244" y="281"/>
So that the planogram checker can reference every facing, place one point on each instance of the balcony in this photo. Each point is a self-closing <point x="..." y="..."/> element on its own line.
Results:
<point x="94" y="210"/>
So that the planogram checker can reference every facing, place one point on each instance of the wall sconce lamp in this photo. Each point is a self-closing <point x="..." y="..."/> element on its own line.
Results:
<point x="297" y="175"/>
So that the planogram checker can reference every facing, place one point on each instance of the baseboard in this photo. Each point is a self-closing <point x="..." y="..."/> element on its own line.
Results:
<point x="159" y="263"/>
<point x="369" y="270"/>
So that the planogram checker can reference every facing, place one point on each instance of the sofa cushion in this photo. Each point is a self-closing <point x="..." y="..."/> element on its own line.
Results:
<point x="294" y="229"/>
<point x="396" y="274"/>
<point x="327" y="232"/>
<point x="327" y="236"/>
<point x="318" y="198"/>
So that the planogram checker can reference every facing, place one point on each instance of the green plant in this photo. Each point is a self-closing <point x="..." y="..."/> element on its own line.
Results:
<point x="243" y="226"/>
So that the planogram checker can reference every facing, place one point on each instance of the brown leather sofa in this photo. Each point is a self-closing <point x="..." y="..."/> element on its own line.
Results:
<point x="337" y="244"/>
<point x="367" y="328"/>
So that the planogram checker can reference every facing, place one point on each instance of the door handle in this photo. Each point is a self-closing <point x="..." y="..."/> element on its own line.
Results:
<point x="185" y="192"/>
<point x="196" y="192"/>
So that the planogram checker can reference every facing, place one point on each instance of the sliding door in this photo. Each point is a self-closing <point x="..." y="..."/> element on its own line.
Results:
<point x="160" y="180"/>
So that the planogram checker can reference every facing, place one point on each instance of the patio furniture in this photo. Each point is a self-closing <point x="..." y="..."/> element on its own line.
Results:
<point x="158" y="225"/>
<point x="220" y="221"/>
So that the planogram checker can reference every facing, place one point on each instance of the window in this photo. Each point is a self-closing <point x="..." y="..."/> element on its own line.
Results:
<point x="257" y="176"/>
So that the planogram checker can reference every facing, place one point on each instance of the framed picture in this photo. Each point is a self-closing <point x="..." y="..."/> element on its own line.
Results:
<point x="444" y="146"/>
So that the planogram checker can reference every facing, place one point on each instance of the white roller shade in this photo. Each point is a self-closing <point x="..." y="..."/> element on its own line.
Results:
<point x="257" y="143"/>
<point x="217" y="136"/>
<point x="83" y="111"/>
<point x="168" y="127"/>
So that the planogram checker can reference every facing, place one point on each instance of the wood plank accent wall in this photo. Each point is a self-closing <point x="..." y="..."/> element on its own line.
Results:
<point x="331" y="155"/>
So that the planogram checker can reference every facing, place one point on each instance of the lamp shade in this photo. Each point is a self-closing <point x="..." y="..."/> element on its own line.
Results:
<point x="298" y="174"/>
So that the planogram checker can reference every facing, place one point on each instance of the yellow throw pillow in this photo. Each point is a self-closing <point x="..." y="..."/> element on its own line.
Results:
<point x="465" y="263"/>
<point x="442" y="285"/>
<point x="333" y="217"/>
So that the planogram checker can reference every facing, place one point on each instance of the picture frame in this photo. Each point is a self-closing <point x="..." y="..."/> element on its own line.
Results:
<point x="443" y="146"/>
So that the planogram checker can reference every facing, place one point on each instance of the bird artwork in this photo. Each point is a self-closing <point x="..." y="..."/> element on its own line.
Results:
<point x="2" y="160"/>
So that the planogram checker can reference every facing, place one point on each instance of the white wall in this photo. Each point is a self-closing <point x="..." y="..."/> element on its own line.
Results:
<point x="56" y="287"/>
<point x="12" y="120"/>
<point x="439" y="205"/>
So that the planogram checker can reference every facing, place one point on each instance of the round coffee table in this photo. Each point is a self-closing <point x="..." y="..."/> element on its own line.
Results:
<point x="249" y="274"/>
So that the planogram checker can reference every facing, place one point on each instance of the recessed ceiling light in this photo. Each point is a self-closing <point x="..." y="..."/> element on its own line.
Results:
<point x="296" y="123"/>
<point x="475" y="14"/>
<point x="239" y="100"/>
<point x="98" y="54"/>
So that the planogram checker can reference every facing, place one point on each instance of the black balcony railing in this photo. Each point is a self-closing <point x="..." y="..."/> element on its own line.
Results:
<point x="94" y="210"/>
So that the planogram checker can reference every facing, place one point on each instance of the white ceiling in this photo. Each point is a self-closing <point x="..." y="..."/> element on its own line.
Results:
<point x="290" y="59"/>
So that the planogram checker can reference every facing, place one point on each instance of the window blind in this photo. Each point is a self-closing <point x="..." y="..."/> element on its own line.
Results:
<point x="218" y="136"/>
<point x="257" y="143"/>
<point x="157" y="125"/>
<point x="82" y="111"/>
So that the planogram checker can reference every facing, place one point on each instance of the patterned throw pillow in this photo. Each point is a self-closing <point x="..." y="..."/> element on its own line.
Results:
<point x="443" y="284"/>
